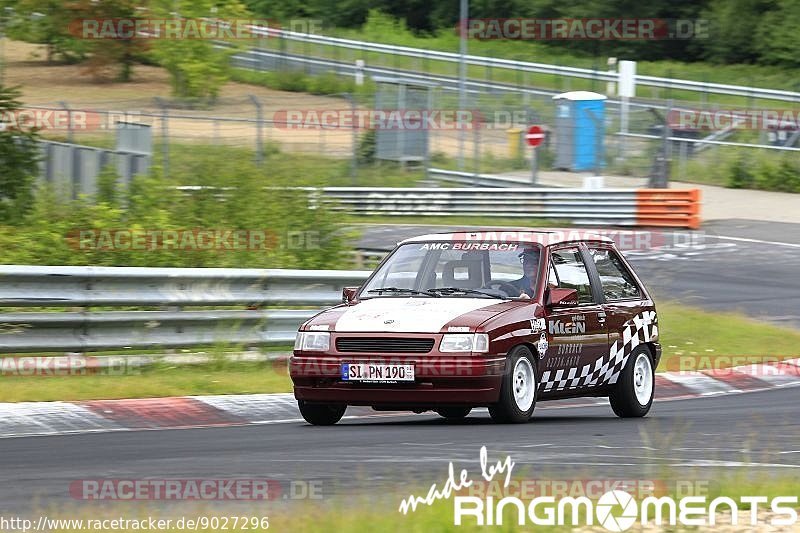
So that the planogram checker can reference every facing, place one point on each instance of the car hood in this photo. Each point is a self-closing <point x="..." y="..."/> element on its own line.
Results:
<point x="412" y="315"/>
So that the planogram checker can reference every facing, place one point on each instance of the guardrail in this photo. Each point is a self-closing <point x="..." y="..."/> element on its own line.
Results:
<point x="527" y="66"/>
<point x="597" y="207"/>
<point x="678" y="208"/>
<point x="477" y="180"/>
<point x="167" y="288"/>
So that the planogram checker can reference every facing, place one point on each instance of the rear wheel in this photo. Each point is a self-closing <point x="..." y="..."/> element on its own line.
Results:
<point x="321" y="414"/>
<point x="454" y="412"/>
<point x="633" y="394"/>
<point x="518" y="390"/>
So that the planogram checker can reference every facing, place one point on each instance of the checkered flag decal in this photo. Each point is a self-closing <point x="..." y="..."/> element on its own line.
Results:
<point x="605" y="371"/>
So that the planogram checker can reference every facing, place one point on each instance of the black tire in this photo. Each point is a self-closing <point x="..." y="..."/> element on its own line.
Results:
<point x="508" y="409"/>
<point x="321" y="414"/>
<point x="454" y="412"/>
<point x="623" y="397"/>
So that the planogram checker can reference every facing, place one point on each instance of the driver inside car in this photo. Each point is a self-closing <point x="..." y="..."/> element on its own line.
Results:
<point x="530" y="268"/>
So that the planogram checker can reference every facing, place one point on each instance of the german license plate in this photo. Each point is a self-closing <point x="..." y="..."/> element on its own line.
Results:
<point x="377" y="372"/>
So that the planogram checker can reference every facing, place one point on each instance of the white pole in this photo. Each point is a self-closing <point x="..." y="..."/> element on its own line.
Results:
<point x="462" y="77"/>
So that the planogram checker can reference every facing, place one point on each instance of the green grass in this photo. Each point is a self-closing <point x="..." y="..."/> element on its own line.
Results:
<point x="685" y="332"/>
<point x="366" y="513"/>
<point x="157" y="381"/>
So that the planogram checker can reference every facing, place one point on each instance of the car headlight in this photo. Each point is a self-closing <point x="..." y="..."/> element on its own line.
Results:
<point x="312" y="341"/>
<point x="464" y="342"/>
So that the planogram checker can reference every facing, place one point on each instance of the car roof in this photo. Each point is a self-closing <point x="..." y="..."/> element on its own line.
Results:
<point x="544" y="237"/>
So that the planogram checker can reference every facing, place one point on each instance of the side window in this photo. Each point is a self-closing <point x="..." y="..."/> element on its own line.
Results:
<point x="572" y="273"/>
<point x="617" y="281"/>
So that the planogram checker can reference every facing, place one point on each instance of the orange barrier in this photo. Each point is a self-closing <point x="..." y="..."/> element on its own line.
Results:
<point x="677" y="208"/>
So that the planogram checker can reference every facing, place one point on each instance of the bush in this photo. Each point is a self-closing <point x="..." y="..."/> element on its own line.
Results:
<point x="764" y="172"/>
<point x="298" y="236"/>
<point x="739" y="176"/>
<point x="367" y="147"/>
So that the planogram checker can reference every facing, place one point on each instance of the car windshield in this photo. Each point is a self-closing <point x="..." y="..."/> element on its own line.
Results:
<point x="456" y="270"/>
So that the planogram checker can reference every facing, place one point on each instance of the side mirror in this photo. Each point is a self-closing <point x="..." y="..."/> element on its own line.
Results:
<point x="349" y="294"/>
<point x="561" y="297"/>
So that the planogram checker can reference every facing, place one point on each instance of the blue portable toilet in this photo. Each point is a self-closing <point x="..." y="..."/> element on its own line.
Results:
<point x="580" y="126"/>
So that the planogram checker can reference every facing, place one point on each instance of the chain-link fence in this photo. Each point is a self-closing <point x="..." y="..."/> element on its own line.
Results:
<point x="659" y="139"/>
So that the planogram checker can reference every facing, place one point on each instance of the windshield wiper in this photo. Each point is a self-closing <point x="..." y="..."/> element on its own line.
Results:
<point x="402" y="290"/>
<point x="452" y="290"/>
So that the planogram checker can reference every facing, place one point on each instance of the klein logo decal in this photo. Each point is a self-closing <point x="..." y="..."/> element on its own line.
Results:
<point x="557" y="327"/>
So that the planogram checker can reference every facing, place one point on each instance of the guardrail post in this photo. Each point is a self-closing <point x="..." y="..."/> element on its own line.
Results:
<point x="259" y="130"/>
<point x="164" y="135"/>
<point x="70" y="131"/>
<point x="354" y="139"/>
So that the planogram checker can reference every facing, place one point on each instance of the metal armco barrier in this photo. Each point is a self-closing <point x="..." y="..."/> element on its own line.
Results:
<point x="668" y="208"/>
<point x="68" y="286"/>
<point x="617" y="207"/>
<point x="170" y="288"/>
<point x="470" y="178"/>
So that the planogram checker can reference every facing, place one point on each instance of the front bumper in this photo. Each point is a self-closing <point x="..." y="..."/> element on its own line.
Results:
<point x="439" y="379"/>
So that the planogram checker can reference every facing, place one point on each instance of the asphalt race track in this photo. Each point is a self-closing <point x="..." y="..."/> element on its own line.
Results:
<point x="744" y="266"/>
<point x="390" y="454"/>
<point x="732" y="265"/>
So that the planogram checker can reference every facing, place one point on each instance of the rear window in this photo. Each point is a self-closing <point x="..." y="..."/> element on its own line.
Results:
<point x="570" y="273"/>
<point x="616" y="280"/>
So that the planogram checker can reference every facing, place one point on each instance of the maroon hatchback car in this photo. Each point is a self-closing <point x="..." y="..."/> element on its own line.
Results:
<point x="500" y="319"/>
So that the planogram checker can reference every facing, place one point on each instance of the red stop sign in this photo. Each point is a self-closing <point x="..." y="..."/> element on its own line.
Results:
<point x="535" y="136"/>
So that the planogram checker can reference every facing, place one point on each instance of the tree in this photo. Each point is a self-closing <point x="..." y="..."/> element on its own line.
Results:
<point x="119" y="49"/>
<point x="19" y="157"/>
<point x="729" y="41"/>
<point x="47" y="22"/>
<point x="777" y="38"/>
<point x="197" y="67"/>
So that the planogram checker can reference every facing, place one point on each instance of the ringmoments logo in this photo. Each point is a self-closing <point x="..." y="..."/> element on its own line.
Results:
<point x="615" y="510"/>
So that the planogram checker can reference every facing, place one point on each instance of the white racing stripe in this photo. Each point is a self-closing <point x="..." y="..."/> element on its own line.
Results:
<point x="407" y="315"/>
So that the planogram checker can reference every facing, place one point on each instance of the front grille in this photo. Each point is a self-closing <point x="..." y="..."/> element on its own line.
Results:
<point x="383" y="345"/>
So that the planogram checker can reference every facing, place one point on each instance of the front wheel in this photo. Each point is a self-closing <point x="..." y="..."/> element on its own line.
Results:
<point x="633" y="394"/>
<point x="518" y="390"/>
<point x="321" y="414"/>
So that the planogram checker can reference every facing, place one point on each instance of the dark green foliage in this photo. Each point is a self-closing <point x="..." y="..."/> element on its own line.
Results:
<point x="19" y="155"/>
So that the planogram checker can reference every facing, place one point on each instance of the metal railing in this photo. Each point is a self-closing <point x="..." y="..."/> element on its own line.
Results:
<point x="596" y="207"/>
<point x="527" y="66"/>
<point x="169" y="289"/>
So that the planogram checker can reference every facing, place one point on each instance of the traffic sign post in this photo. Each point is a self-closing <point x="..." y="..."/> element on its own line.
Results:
<point x="534" y="138"/>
